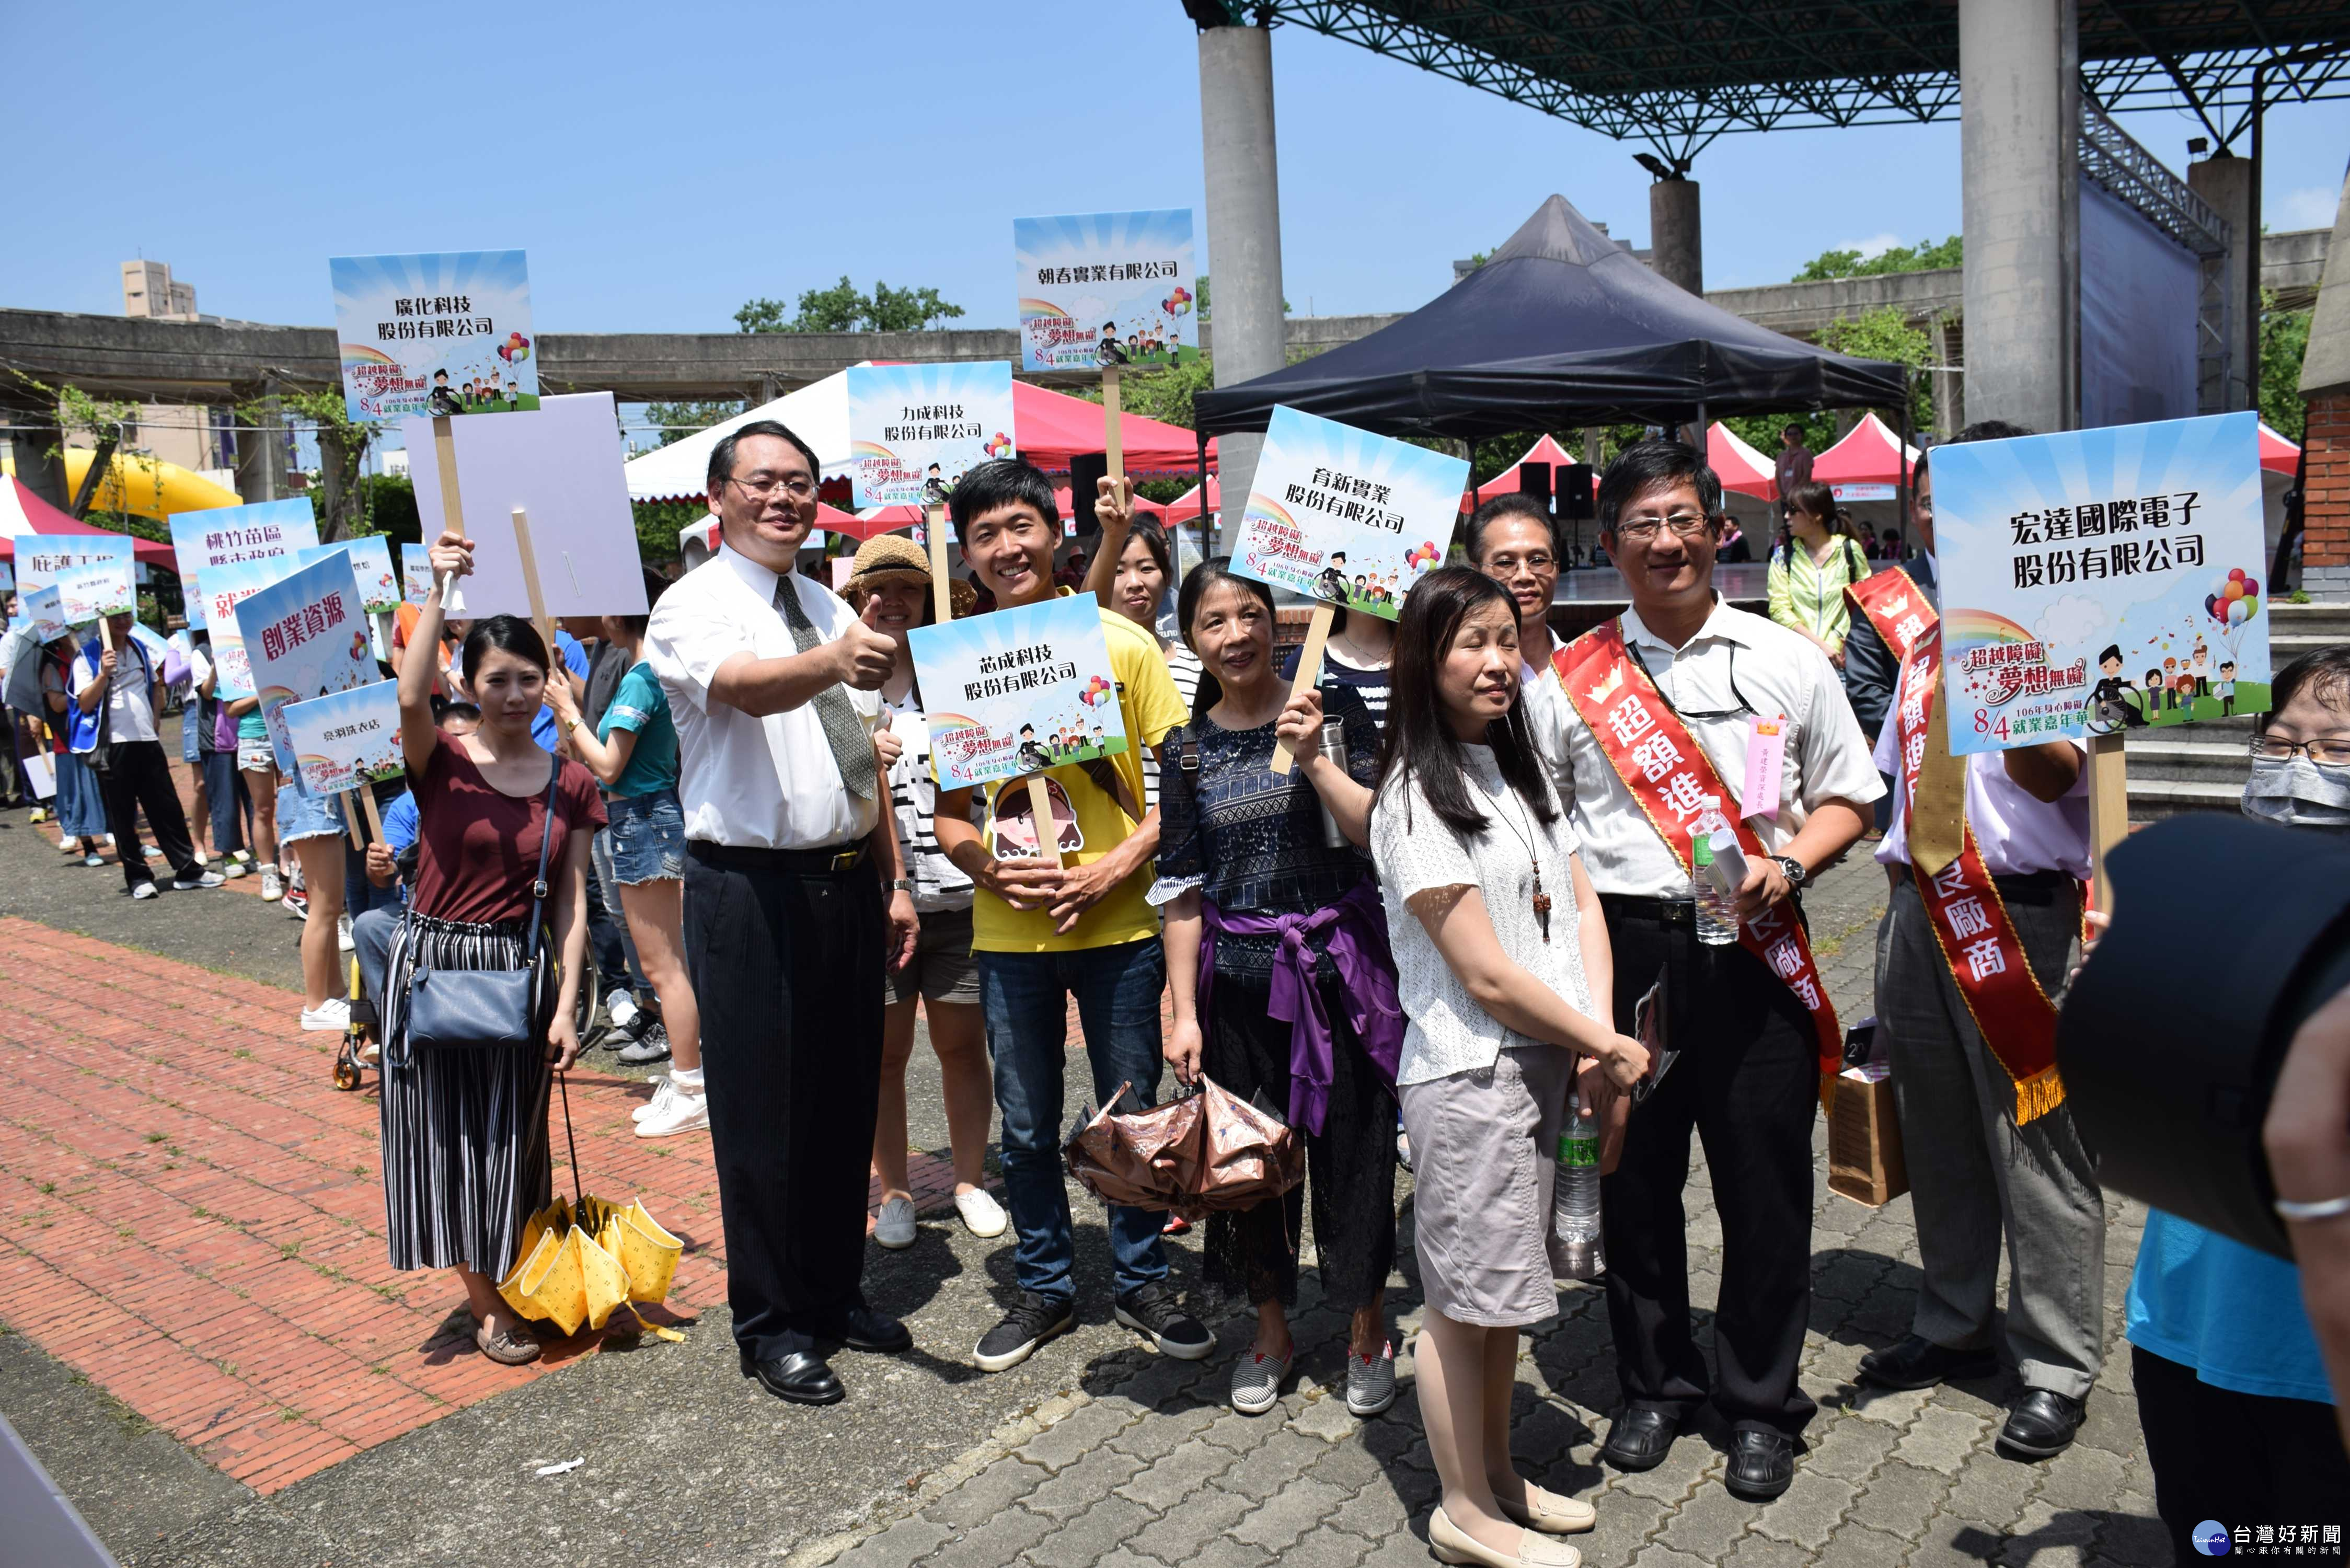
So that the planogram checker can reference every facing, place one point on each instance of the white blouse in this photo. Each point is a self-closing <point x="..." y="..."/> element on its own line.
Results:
<point x="1448" y="1033"/>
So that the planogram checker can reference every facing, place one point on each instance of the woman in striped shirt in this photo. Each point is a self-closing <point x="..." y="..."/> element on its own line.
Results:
<point x="1815" y="562"/>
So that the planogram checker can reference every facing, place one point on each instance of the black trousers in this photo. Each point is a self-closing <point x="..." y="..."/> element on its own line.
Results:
<point x="139" y="776"/>
<point x="787" y="967"/>
<point x="2240" y="1459"/>
<point x="1747" y="1082"/>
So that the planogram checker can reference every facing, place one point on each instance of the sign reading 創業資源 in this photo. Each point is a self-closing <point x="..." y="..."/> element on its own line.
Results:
<point x="304" y="636"/>
<point x="914" y="429"/>
<point x="1102" y="290"/>
<point x="445" y="332"/>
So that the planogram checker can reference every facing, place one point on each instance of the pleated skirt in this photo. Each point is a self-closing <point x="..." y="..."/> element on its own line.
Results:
<point x="465" y="1151"/>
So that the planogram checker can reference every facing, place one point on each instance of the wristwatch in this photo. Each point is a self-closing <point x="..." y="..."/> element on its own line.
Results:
<point x="1794" y="870"/>
<point x="901" y="884"/>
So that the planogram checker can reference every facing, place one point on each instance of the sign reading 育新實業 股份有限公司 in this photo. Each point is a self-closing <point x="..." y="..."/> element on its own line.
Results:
<point x="304" y="636"/>
<point x="914" y="429"/>
<point x="1103" y="289"/>
<point x="1017" y="692"/>
<point x="218" y="536"/>
<point x="2101" y="580"/>
<point x="445" y="332"/>
<point x="1345" y="517"/>
<point x="346" y="738"/>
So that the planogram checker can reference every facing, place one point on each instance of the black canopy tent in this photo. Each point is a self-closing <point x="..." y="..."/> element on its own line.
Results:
<point x="1561" y="329"/>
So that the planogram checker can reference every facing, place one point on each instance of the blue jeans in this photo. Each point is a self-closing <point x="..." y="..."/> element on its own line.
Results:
<point x="1026" y="999"/>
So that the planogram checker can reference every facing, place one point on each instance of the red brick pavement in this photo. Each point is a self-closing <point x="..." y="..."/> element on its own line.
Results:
<point x="190" y="1214"/>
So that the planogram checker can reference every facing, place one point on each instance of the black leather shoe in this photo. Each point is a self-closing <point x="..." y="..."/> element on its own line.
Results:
<point x="863" y="1328"/>
<point x="1917" y="1363"/>
<point x="1761" y="1464"/>
<point x="2043" y="1423"/>
<point x="1640" y="1439"/>
<point x="798" y="1376"/>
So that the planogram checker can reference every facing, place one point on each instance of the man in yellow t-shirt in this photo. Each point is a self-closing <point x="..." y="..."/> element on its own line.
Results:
<point x="1043" y="934"/>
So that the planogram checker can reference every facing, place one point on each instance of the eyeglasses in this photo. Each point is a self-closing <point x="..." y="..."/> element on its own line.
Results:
<point x="2331" y="754"/>
<point x="1684" y="524"/>
<point x="797" y="486"/>
<point x="1504" y="565"/>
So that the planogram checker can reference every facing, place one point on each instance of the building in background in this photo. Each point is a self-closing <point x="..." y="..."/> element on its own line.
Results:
<point x="149" y="290"/>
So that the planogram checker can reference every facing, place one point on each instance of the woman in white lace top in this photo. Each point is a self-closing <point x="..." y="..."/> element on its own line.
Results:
<point x="1505" y="976"/>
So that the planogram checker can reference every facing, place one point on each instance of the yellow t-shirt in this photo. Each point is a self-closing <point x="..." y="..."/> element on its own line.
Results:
<point x="1150" y="708"/>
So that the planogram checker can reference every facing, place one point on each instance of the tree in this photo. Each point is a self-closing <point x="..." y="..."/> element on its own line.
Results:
<point x="1880" y="334"/>
<point x="2285" y="341"/>
<point x="1900" y="258"/>
<point x="340" y="501"/>
<point x="844" y="308"/>
<point x="675" y="421"/>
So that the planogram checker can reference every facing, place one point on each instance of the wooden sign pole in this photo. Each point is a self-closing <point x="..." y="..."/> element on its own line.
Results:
<point x="1113" y="437"/>
<point x="934" y="529"/>
<point x="106" y="633"/>
<point x="1309" y="670"/>
<point x="374" y="818"/>
<point x="2109" y="810"/>
<point x="1048" y="830"/>
<point x="530" y="580"/>
<point x="452" y="514"/>
<point x="351" y="816"/>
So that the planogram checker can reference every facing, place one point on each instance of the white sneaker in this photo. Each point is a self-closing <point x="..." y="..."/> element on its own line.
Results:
<point x="72" y="847"/>
<point x="684" y="1112"/>
<point x="343" y="934"/>
<point x="894" y="1227"/>
<point x="273" y="885"/>
<point x="144" y="890"/>
<point x="981" y="1214"/>
<point x="201" y="858"/>
<point x="663" y="1089"/>
<point x="333" y="1013"/>
<point x="150" y="852"/>
<point x="232" y="868"/>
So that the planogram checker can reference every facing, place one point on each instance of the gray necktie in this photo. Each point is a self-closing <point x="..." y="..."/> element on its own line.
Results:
<point x="851" y="748"/>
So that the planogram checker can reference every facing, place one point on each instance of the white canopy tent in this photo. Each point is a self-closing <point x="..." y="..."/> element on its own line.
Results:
<point x="817" y="413"/>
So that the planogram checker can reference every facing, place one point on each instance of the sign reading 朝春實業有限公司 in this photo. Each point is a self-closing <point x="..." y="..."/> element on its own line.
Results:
<point x="305" y="635"/>
<point x="447" y="332"/>
<point x="346" y="738"/>
<point x="914" y="429"/>
<point x="1017" y="692"/>
<point x="1102" y="289"/>
<point x="1345" y="517"/>
<point x="2102" y="579"/>
<point x="218" y="536"/>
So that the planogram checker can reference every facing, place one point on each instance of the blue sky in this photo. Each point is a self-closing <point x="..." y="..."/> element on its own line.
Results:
<point x="661" y="168"/>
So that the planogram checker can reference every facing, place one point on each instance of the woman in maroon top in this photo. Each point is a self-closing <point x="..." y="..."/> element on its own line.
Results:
<point x="465" y="1152"/>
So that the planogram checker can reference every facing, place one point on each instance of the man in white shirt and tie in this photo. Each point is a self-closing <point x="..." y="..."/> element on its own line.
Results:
<point x="794" y="901"/>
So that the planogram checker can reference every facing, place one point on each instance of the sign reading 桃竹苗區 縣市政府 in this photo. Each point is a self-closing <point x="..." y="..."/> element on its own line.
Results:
<point x="219" y="535"/>
<point x="304" y="636"/>
<point x="1017" y="692"/>
<point x="1103" y="289"/>
<point x="914" y="429"/>
<point x="346" y="738"/>
<point x="445" y="332"/>
<point x="1345" y="517"/>
<point x="2102" y="579"/>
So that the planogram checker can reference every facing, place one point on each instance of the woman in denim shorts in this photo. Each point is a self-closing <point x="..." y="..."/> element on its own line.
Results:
<point x="633" y="752"/>
<point x="312" y="826"/>
<point x="256" y="764"/>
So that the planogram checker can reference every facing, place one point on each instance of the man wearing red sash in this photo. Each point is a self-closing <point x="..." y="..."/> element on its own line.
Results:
<point x="1663" y="706"/>
<point x="1986" y="854"/>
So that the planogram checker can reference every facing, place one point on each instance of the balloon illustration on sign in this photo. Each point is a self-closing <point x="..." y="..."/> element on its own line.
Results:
<point x="1001" y="446"/>
<point x="2233" y="601"/>
<point x="514" y="350"/>
<point x="1427" y="553"/>
<point x="1097" y="692"/>
<point x="1178" y="303"/>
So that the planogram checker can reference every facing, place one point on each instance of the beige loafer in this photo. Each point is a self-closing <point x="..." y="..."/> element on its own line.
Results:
<point x="1552" y="1513"/>
<point x="1450" y="1543"/>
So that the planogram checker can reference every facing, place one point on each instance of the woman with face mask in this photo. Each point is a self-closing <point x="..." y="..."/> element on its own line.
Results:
<point x="2238" y="1412"/>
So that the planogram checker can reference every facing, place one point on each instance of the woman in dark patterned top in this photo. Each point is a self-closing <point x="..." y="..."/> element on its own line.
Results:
<point x="1277" y="959"/>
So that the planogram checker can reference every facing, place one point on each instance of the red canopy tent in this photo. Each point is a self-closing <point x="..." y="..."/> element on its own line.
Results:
<point x="1052" y="426"/>
<point x="22" y="511"/>
<point x="1866" y="464"/>
<point x="2278" y="455"/>
<point x="1741" y="467"/>
<point x="1186" y="506"/>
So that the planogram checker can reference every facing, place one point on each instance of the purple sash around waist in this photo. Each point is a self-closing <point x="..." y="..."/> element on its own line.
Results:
<point x="1358" y="945"/>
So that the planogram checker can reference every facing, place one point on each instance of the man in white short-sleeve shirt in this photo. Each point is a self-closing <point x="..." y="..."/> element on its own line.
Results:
<point x="794" y="903"/>
<point x="127" y="756"/>
<point x="1748" y="1079"/>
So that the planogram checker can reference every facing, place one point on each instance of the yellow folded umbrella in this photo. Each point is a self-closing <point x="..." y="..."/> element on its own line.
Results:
<point x="576" y="1264"/>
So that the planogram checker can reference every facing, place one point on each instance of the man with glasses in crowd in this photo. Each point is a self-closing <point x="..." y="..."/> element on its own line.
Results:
<point x="1514" y="539"/>
<point x="1662" y="706"/>
<point x="794" y="901"/>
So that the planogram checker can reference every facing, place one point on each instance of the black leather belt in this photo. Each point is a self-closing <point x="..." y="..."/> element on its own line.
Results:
<point x="1655" y="911"/>
<point x="829" y="861"/>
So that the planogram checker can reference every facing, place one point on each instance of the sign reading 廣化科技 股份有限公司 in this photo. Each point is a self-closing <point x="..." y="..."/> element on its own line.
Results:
<point x="2101" y="580"/>
<point x="1099" y="290"/>
<point x="445" y="332"/>
<point x="1345" y="517"/>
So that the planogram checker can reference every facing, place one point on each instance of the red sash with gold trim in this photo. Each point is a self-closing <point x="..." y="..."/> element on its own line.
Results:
<point x="1668" y="774"/>
<point x="1895" y="607"/>
<point x="1970" y="918"/>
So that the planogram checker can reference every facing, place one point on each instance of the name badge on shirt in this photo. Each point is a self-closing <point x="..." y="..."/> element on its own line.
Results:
<point x="1766" y="753"/>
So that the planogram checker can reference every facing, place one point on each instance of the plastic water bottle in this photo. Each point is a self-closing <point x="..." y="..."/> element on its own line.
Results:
<point x="1717" y="913"/>
<point x="1576" y="1253"/>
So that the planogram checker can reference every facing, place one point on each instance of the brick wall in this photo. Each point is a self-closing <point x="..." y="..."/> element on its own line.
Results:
<point x="2325" y="546"/>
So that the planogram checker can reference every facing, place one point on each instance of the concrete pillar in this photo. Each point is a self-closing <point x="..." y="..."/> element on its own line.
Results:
<point x="1677" y="234"/>
<point x="2018" y="154"/>
<point x="1244" y="226"/>
<point x="35" y="437"/>
<point x="260" y="453"/>
<point x="2228" y="183"/>
<point x="1950" y="382"/>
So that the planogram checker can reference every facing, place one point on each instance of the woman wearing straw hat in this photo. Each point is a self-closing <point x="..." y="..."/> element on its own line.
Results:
<point x="892" y="569"/>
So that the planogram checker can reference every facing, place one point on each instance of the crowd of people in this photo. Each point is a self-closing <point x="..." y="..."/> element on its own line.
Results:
<point x="1428" y="942"/>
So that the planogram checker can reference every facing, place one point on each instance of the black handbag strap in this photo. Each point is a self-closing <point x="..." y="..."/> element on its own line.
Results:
<point x="538" y="888"/>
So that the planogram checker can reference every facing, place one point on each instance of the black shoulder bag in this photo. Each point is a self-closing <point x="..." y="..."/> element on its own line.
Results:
<point x="484" y="1009"/>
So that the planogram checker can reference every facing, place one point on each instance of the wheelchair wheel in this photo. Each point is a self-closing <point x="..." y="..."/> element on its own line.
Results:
<point x="347" y="1070"/>
<point x="591" y="996"/>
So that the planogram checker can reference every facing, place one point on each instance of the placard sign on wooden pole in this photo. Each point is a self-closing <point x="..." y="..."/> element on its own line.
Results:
<point x="934" y="530"/>
<point x="452" y="514"/>
<point x="2100" y="581"/>
<point x="351" y="818"/>
<point x="1040" y="812"/>
<point x="914" y="430"/>
<point x="1346" y="517"/>
<point x="538" y="617"/>
<point x="374" y="818"/>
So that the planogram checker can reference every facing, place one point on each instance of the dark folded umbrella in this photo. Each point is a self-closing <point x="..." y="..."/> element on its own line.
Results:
<point x="1205" y="1151"/>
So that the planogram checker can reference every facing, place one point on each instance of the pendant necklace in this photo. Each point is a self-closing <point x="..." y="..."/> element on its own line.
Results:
<point x="1541" y="899"/>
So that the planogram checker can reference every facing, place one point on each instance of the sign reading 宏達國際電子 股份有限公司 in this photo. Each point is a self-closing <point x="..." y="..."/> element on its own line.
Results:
<point x="914" y="429"/>
<point x="1345" y="517"/>
<point x="446" y="332"/>
<point x="1103" y="289"/>
<point x="2101" y="580"/>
